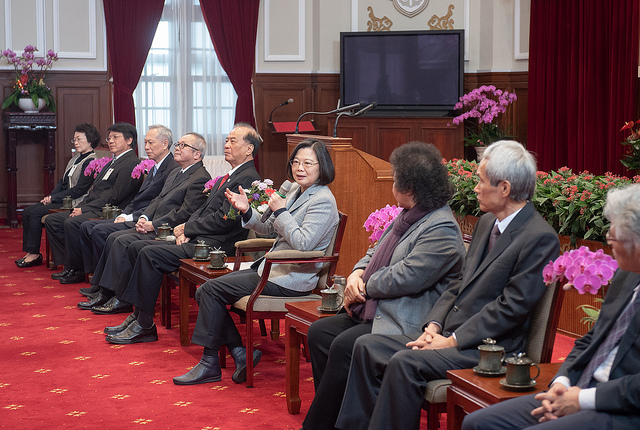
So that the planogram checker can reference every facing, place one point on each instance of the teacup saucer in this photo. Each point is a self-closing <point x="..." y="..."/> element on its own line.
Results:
<point x="200" y="260"/>
<point x="512" y="387"/>
<point x="483" y="372"/>
<point x="323" y="309"/>
<point x="210" y="267"/>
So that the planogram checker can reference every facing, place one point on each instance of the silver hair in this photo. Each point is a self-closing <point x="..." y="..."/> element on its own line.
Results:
<point x="163" y="133"/>
<point x="200" y="143"/>
<point x="623" y="209"/>
<point x="508" y="160"/>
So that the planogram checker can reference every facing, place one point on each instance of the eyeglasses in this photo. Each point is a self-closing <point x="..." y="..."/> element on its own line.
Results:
<point x="74" y="140"/>
<point x="113" y="137"/>
<point x="306" y="164"/>
<point x="610" y="238"/>
<point x="181" y="145"/>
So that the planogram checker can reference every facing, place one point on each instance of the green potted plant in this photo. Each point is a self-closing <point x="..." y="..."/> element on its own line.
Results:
<point x="632" y="158"/>
<point x="29" y="84"/>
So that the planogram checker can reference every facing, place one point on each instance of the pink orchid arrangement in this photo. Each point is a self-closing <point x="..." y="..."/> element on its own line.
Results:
<point x="584" y="270"/>
<point x="96" y="166"/>
<point x="28" y="83"/>
<point x="143" y="167"/>
<point x="210" y="183"/>
<point x="379" y="220"/>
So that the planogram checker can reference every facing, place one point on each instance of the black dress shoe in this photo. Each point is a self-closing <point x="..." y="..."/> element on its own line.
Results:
<point x="113" y="306"/>
<point x="239" y="355"/>
<point x="19" y="260"/>
<point x="207" y="370"/>
<point x="59" y="275"/>
<point x="134" y="333"/>
<point x="35" y="262"/>
<point x="118" y="328"/>
<point x="93" y="290"/>
<point x="73" y="277"/>
<point x="100" y="299"/>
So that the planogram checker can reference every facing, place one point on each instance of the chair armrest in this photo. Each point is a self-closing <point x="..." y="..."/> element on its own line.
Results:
<point x="251" y="244"/>
<point x="293" y="255"/>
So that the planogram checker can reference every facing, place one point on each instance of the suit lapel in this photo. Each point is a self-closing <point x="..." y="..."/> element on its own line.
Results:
<point x="302" y="198"/>
<point x="633" y="331"/>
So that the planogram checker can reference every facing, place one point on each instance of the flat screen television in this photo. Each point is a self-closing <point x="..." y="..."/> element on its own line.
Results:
<point x="404" y="72"/>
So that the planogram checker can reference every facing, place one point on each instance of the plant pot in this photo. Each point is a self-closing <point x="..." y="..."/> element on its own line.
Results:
<point x="479" y="151"/>
<point x="28" y="106"/>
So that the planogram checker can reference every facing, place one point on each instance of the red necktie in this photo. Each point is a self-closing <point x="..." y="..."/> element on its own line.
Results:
<point x="224" y="179"/>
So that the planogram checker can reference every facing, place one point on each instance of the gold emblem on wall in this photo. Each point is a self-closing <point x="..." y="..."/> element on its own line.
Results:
<point x="442" y="23"/>
<point x="378" y="24"/>
<point x="410" y="8"/>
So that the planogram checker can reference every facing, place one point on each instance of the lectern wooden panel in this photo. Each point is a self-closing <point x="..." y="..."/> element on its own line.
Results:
<point x="363" y="184"/>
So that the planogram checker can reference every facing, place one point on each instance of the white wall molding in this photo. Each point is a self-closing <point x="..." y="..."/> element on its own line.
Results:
<point x="40" y="41"/>
<point x="517" y="54"/>
<point x="91" y="33"/>
<point x="300" y="56"/>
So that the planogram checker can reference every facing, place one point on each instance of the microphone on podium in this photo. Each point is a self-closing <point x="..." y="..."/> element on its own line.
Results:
<point x="338" y="110"/>
<point x="286" y="102"/>
<point x="284" y="189"/>
<point x="364" y="110"/>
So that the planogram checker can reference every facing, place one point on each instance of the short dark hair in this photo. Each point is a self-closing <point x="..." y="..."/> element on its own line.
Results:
<point x="90" y="132"/>
<point x="418" y="168"/>
<point x="327" y="171"/>
<point x="127" y="130"/>
<point x="251" y="137"/>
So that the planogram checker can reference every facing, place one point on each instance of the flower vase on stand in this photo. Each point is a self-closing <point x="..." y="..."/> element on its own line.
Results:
<point x="28" y="106"/>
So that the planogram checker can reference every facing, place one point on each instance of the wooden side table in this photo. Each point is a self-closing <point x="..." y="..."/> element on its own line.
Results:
<point x="14" y="122"/>
<point x="469" y="391"/>
<point x="193" y="273"/>
<point x="296" y="325"/>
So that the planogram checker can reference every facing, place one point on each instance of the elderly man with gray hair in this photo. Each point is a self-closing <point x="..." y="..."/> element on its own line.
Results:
<point x="501" y="283"/>
<point x="598" y="385"/>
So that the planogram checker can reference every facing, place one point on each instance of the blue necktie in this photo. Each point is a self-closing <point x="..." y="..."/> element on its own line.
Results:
<point x="612" y="340"/>
<point x="155" y="170"/>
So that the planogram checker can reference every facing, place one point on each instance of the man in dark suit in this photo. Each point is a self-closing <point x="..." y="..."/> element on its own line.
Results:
<point x="209" y="224"/>
<point x="598" y="385"/>
<point x="181" y="196"/>
<point x="93" y="233"/>
<point x="113" y="185"/>
<point x="500" y="285"/>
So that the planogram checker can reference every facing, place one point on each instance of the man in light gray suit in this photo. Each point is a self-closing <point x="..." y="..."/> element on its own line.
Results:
<point x="501" y="283"/>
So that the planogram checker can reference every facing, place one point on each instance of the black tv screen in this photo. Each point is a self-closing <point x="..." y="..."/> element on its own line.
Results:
<point x="403" y="71"/>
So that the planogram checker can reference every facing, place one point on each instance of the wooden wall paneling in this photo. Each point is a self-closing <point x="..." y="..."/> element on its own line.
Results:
<point x="446" y="138"/>
<point x="389" y="136"/>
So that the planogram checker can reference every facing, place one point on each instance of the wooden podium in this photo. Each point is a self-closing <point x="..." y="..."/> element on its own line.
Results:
<point x="363" y="184"/>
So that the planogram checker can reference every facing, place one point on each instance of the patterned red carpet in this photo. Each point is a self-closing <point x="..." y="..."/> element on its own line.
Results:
<point x="58" y="371"/>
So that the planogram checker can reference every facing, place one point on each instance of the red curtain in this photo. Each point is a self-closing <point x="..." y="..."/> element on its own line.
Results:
<point x="583" y="72"/>
<point x="131" y="26"/>
<point x="233" y="26"/>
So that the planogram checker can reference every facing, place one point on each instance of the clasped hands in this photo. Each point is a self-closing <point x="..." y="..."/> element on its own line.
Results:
<point x="354" y="291"/>
<point x="432" y="339"/>
<point x="557" y="402"/>
<point x="241" y="202"/>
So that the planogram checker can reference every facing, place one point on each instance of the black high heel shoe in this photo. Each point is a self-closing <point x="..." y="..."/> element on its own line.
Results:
<point x="35" y="262"/>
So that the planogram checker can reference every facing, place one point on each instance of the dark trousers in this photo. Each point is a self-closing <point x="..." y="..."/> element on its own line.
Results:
<point x="63" y="232"/>
<point x="114" y="267"/>
<point x="93" y="238"/>
<point x="331" y="343"/>
<point x="387" y="381"/>
<point x="215" y="326"/>
<point x="32" y="225"/>
<point x="516" y="414"/>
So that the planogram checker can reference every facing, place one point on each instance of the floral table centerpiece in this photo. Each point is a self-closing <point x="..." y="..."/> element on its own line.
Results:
<point x="29" y="84"/>
<point x="485" y="104"/>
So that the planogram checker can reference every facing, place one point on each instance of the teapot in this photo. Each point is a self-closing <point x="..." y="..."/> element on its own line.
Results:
<point x="202" y="251"/>
<point x="163" y="231"/>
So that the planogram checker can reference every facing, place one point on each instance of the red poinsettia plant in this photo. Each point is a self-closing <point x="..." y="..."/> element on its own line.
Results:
<point x="632" y="157"/>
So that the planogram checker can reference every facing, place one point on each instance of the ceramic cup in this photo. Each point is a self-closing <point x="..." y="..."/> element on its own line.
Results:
<point x="519" y="372"/>
<point x="491" y="357"/>
<point x="218" y="259"/>
<point x="331" y="299"/>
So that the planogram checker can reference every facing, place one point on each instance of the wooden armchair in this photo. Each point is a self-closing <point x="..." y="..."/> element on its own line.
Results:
<point x="540" y="340"/>
<point x="257" y="306"/>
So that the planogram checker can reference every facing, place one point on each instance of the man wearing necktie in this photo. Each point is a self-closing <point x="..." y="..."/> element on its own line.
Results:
<point x="113" y="185"/>
<point x="598" y="385"/>
<point x="181" y="196"/>
<point x="93" y="233"/>
<point x="493" y="298"/>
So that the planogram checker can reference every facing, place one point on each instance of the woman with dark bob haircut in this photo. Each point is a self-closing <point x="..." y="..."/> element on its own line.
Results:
<point x="393" y="287"/>
<point x="304" y="220"/>
<point x="73" y="184"/>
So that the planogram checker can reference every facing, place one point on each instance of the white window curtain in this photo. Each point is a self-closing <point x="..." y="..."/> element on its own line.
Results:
<point x="183" y="85"/>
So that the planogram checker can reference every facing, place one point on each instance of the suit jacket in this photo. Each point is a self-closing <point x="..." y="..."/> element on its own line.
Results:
<point x="497" y="292"/>
<point x="118" y="188"/>
<point x="427" y="257"/>
<point x="77" y="184"/>
<point x="307" y="225"/>
<point x="621" y="394"/>
<point x="209" y="222"/>
<point x="181" y="196"/>
<point x="151" y="187"/>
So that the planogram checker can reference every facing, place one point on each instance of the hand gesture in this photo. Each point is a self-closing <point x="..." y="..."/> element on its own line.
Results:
<point x="238" y="200"/>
